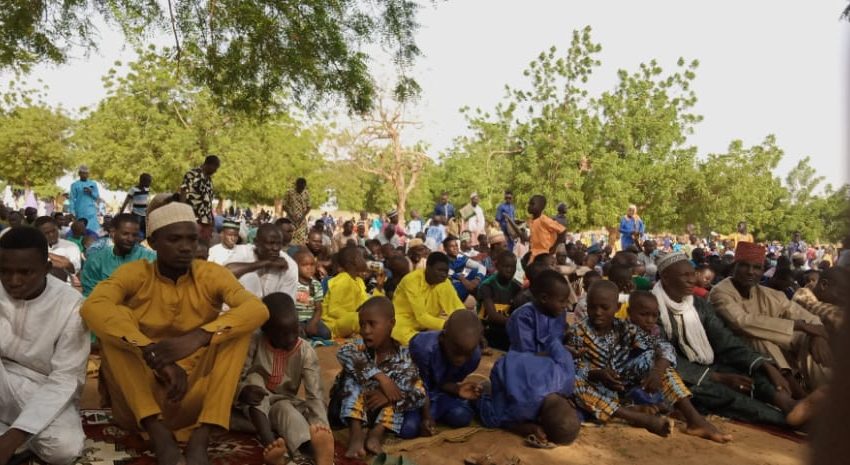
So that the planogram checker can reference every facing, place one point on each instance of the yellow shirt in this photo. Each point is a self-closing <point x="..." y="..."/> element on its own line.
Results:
<point x="736" y="237"/>
<point x="138" y="306"/>
<point x="345" y="295"/>
<point x="418" y="305"/>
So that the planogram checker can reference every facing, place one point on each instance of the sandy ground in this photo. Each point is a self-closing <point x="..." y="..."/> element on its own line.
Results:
<point x="614" y="444"/>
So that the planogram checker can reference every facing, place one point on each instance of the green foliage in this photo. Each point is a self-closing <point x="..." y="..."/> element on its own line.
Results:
<point x="156" y="122"/>
<point x="247" y="53"/>
<point x="34" y="149"/>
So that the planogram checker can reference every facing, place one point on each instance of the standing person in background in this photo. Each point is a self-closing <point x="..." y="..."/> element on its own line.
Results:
<point x="83" y="199"/>
<point x="137" y="198"/>
<point x="415" y="225"/>
<point x="197" y="191"/>
<point x="475" y="224"/>
<point x="631" y="228"/>
<point x="444" y="208"/>
<point x="740" y="235"/>
<point x="505" y="212"/>
<point x="296" y="204"/>
<point x="561" y="217"/>
<point x="797" y="245"/>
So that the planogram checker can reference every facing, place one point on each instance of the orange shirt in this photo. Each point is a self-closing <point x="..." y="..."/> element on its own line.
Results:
<point x="544" y="233"/>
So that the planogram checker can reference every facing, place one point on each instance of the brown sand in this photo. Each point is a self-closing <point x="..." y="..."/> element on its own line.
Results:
<point x="614" y="444"/>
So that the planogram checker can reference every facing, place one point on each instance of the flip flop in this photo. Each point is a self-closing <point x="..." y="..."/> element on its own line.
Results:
<point x="535" y="442"/>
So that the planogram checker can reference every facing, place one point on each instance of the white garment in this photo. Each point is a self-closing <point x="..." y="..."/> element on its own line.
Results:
<point x="261" y="283"/>
<point x="69" y="250"/>
<point x="476" y="224"/>
<point x="414" y="227"/>
<point x="222" y="255"/>
<point x="692" y="338"/>
<point x="44" y="349"/>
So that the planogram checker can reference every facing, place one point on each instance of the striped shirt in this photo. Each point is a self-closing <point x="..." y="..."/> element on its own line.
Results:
<point x="140" y="199"/>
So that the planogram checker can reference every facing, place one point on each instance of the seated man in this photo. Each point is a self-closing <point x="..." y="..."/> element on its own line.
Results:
<point x="172" y="358"/>
<point x="421" y="298"/>
<point x="265" y="268"/>
<point x="64" y="255"/>
<point x="770" y="323"/>
<point x="823" y="298"/>
<point x="44" y="348"/>
<point x="102" y="263"/>
<point x="224" y="252"/>
<point x="465" y="273"/>
<point x="725" y="376"/>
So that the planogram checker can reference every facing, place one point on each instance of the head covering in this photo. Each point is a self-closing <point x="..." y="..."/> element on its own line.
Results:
<point x="692" y="339"/>
<point x="230" y="224"/>
<point x="169" y="214"/>
<point x="663" y="262"/>
<point x="496" y="238"/>
<point x="415" y="242"/>
<point x="748" y="252"/>
<point x="83" y="169"/>
<point x="474" y="194"/>
<point x="392" y="213"/>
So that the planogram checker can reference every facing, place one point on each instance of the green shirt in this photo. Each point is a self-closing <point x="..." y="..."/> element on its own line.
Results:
<point x="101" y="264"/>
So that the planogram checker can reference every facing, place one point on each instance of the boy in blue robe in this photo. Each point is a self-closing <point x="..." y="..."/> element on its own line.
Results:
<point x="445" y="358"/>
<point x="534" y="326"/>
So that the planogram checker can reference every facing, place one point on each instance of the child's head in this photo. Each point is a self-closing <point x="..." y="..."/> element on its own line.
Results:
<point x="547" y="260"/>
<point x="551" y="292"/>
<point x="506" y="266"/>
<point x="281" y="329"/>
<point x="621" y="275"/>
<point x="436" y="268"/>
<point x="705" y="276"/>
<point x="643" y="310"/>
<point x="351" y="261"/>
<point x="306" y="263"/>
<point x="559" y="419"/>
<point x="810" y="278"/>
<point x="450" y="246"/>
<point x="536" y="204"/>
<point x="602" y="304"/>
<point x="377" y="319"/>
<point x="374" y="247"/>
<point x="589" y="278"/>
<point x="460" y="337"/>
<point x="399" y="266"/>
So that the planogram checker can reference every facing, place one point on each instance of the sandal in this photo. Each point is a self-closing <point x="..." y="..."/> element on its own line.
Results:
<point x="535" y="442"/>
<point x="480" y="460"/>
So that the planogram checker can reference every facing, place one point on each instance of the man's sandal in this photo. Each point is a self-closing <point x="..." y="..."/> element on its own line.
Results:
<point x="535" y="442"/>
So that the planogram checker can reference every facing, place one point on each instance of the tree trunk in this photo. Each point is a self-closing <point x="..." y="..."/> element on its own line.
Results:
<point x="402" y="204"/>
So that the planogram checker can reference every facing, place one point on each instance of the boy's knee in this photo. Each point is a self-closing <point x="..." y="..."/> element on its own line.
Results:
<point x="458" y="416"/>
<point x="59" y="448"/>
<point x="410" y="426"/>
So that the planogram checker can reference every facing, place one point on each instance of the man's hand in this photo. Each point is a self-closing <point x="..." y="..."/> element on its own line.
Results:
<point x="252" y="395"/>
<point x="376" y="400"/>
<point x="469" y="390"/>
<point x="776" y="378"/>
<point x="380" y="280"/>
<point x="810" y="329"/>
<point x="169" y="351"/>
<point x="739" y="383"/>
<point x="653" y="381"/>
<point x="608" y="378"/>
<point x="175" y="380"/>
<point x="9" y="443"/>
<point x="312" y="328"/>
<point x="821" y="353"/>
<point x="61" y="262"/>
<point x="389" y="388"/>
<point x="277" y="263"/>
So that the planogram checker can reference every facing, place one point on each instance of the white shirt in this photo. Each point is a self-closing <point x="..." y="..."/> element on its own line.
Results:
<point x="261" y="283"/>
<point x="44" y="347"/>
<point x="476" y="223"/>
<point x="222" y="255"/>
<point x="69" y="250"/>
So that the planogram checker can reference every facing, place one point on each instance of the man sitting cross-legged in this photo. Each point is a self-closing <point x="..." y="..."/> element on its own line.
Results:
<point x="43" y="352"/>
<point x="173" y="359"/>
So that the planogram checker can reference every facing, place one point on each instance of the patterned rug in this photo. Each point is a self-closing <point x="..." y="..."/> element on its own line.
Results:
<point x="106" y="444"/>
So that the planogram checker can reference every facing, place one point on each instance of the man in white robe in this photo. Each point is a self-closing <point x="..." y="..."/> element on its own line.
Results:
<point x="44" y="348"/>
<point x="264" y="268"/>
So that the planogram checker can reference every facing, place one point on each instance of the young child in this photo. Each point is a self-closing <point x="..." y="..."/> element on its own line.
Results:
<point x="621" y="275"/>
<point x="347" y="292"/>
<point x="495" y="297"/>
<point x="606" y="367"/>
<point x="539" y="324"/>
<point x="705" y="276"/>
<point x="379" y="386"/>
<point x="435" y="234"/>
<point x="588" y="279"/>
<point x="465" y="273"/>
<point x="308" y="297"/>
<point x="444" y="359"/>
<point x="277" y="364"/>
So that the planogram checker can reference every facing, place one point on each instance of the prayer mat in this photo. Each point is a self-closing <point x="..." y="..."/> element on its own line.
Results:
<point x="786" y="433"/>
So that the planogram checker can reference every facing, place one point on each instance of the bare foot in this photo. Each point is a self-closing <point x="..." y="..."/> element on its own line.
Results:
<point x="538" y="432"/>
<point x="356" y="441"/>
<point x="275" y="453"/>
<point x="323" y="444"/>
<point x="197" y="448"/>
<point x="658" y="425"/>
<point x="375" y="439"/>
<point x="702" y="428"/>
<point x="806" y="408"/>
<point x="165" y="447"/>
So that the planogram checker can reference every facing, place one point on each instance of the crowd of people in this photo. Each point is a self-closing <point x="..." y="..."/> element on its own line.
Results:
<point x="207" y="320"/>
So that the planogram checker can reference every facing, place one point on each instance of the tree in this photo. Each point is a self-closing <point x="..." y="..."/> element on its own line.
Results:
<point x="248" y="53"/>
<point x="34" y="148"/>
<point x="377" y="149"/>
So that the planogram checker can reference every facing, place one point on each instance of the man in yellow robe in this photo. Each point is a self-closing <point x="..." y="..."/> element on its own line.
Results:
<point x="172" y="358"/>
<point x="424" y="299"/>
<point x="773" y="325"/>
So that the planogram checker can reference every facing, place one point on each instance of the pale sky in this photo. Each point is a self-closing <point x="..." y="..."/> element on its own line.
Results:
<point x="766" y="66"/>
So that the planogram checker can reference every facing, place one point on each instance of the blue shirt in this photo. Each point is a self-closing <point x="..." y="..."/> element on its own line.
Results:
<point x="629" y="226"/>
<point x="84" y="205"/>
<point x="530" y="330"/>
<point x="503" y="211"/>
<point x="434" y="368"/>
<point x="446" y="210"/>
<point x="102" y="263"/>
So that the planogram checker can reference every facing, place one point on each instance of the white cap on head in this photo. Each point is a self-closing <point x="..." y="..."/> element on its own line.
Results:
<point x="666" y="260"/>
<point x="168" y="214"/>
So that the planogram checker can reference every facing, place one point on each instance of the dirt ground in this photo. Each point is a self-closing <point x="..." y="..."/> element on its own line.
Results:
<point x="614" y="444"/>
